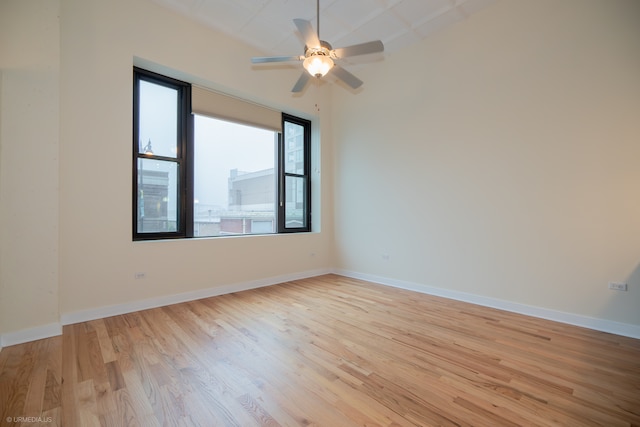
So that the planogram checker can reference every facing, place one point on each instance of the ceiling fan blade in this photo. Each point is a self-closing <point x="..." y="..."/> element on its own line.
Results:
<point x="346" y="76"/>
<point x="302" y="82"/>
<point x="263" y="59"/>
<point x="310" y="37"/>
<point x="359" y="49"/>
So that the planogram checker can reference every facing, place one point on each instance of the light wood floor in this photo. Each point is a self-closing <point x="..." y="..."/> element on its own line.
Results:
<point x="328" y="351"/>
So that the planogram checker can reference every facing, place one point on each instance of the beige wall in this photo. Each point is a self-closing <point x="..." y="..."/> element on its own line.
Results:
<point x="500" y="158"/>
<point x="29" y="142"/>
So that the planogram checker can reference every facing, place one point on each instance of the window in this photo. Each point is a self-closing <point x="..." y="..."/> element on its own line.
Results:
<point x="206" y="164"/>
<point x="160" y="138"/>
<point x="235" y="178"/>
<point x="295" y="184"/>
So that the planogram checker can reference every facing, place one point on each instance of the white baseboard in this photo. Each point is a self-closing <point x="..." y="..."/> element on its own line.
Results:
<point x="30" y="334"/>
<point x="54" y="329"/>
<point x="624" y="329"/>
<point x="129" y="307"/>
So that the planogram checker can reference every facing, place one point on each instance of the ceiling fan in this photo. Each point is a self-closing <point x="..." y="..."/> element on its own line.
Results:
<point x="319" y="57"/>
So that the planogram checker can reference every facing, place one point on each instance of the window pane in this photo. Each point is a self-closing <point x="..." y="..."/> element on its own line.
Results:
<point x="234" y="179"/>
<point x="158" y="128"/>
<point x="294" y="148"/>
<point x="157" y="200"/>
<point x="294" y="208"/>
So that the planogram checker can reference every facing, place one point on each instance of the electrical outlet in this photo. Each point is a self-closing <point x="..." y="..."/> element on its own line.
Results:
<point x="615" y="286"/>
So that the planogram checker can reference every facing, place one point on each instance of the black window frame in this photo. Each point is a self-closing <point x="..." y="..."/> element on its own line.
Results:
<point x="183" y="137"/>
<point x="185" y="161"/>
<point x="283" y="174"/>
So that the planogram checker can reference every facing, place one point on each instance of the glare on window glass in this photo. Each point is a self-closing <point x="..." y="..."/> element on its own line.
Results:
<point x="158" y="128"/>
<point x="294" y="148"/>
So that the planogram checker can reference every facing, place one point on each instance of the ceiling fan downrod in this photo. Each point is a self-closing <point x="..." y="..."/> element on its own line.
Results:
<point x="318" y="18"/>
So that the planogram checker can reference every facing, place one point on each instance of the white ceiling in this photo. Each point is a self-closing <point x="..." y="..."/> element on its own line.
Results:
<point x="268" y="24"/>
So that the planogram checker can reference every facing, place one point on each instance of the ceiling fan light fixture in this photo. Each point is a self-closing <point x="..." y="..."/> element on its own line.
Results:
<point x="318" y="65"/>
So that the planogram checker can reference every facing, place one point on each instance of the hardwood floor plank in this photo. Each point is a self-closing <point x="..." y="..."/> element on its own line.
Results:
<point x="325" y="351"/>
<point x="122" y="345"/>
<point x="135" y="402"/>
<point x="17" y="395"/>
<point x="53" y="385"/>
<point x="257" y="411"/>
<point x="114" y="374"/>
<point x="69" y="376"/>
<point x="104" y="340"/>
<point x="85" y="401"/>
<point x="34" y="400"/>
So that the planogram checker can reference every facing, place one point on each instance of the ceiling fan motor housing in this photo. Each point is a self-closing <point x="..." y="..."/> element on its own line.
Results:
<point x="318" y="60"/>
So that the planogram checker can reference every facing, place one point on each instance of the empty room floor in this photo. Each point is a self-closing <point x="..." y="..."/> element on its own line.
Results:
<point x="325" y="351"/>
